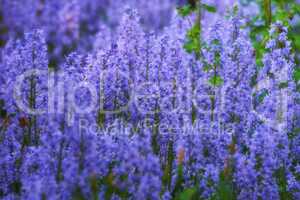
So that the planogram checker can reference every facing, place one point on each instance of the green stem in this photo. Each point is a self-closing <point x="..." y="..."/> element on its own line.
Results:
<point x="199" y="19"/>
<point x="3" y="29"/>
<point x="167" y="178"/>
<point x="59" y="175"/>
<point x="267" y="5"/>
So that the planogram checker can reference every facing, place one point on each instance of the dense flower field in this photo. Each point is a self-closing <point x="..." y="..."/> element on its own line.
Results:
<point x="149" y="99"/>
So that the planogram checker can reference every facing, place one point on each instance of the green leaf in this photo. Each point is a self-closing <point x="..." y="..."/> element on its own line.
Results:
<point x="78" y="194"/>
<point x="194" y="32"/>
<point x="216" y="80"/>
<point x="2" y="103"/>
<point x="167" y="177"/>
<point x="225" y="188"/>
<point x="296" y="39"/>
<point x="235" y="10"/>
<point x="207" y="67"/>
<point x="283" y="85"/>
<point x="101" y="118"/>
<point x="216" y="42"/>
<point x="16" y="187"/>
<point x="185" y="10"/>
<point x="191" y="46"/>
<point x="178" y="188"/>
<point x="280" y="175"/>
<point x="282" y="15"/>
<point x="217" y="59"/>
<point x="188" y="194"/>
<point x="297" y="74"/>
<point x="193" y="43"/>
<point x="209" y="8"/>
<point x="295" y="8"/>
<point x="259" y="97"/>
<point x="3" y="113"/>
<point x="294" y="133"/>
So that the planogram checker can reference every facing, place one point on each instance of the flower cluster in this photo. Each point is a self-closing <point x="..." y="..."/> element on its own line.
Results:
<point x="131" y="115"/>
